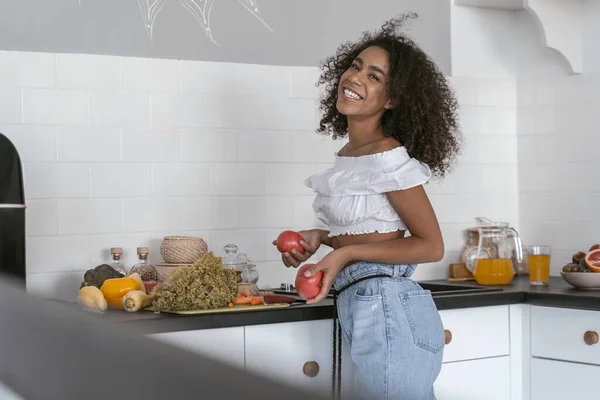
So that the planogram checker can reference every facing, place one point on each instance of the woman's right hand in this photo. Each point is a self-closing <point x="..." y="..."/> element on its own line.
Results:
<point x="311" y="243"/>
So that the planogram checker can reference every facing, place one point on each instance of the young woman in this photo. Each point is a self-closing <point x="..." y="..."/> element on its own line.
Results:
<point x="398" y="113"/>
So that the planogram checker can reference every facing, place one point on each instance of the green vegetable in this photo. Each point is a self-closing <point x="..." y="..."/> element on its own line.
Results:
<point x="97" y="276"/>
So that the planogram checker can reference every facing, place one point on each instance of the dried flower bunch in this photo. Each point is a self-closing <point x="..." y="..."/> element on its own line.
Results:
<point x="203" y="285"/>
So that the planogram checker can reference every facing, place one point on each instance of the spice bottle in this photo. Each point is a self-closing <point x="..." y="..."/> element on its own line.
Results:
<point x="117" y="265"/>
<point x="147" y="272"/>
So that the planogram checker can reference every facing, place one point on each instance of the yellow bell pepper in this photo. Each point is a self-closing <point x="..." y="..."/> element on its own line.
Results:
<point x="114" y="289"/>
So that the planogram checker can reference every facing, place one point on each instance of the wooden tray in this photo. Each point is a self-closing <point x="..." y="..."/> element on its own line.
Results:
<point x="235" y="308"/>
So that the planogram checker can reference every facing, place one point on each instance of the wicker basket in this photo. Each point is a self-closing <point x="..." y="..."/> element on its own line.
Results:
<point x="182" y="249"/>
<point x="164" y="270"/>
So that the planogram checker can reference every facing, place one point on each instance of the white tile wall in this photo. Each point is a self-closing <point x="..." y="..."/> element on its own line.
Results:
<point x="123" y="151"/>
<point x="559" y="163"/>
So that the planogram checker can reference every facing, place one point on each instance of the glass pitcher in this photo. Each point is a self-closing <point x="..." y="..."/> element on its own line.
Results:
<point x="494" y="263"/>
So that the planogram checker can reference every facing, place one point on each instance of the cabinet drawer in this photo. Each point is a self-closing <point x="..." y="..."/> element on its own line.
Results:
<point x="559" y="380"/>
<point x="476" y="333"/>
<point x="486" y="379"/>
<point x="225" y="345"/>
<point x="281" y="352"/>
<point x="561" y="334"/>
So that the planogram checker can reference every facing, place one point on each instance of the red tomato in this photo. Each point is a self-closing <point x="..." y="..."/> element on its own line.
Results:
<point x="308" y="287"/>
<point x="288" y="240"/>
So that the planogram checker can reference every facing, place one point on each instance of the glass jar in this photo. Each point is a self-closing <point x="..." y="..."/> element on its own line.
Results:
<point x="250" y="275"/>
<point x="235" y="261"/>
<point x="147" y="272"/>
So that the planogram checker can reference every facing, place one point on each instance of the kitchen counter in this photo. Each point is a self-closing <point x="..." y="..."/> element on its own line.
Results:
<point x="447" y="295"/>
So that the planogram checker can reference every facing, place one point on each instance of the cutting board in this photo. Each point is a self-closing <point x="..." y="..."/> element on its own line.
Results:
<point x="235" y="308"/>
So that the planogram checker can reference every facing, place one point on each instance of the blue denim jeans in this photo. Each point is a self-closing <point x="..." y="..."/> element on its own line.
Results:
<point x="394" y="332"/>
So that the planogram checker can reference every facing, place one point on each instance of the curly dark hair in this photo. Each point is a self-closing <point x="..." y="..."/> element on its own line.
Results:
<point x="424" y="119"/>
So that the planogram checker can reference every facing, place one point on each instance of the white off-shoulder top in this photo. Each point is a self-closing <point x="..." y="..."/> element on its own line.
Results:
<point x="351" y="195"/>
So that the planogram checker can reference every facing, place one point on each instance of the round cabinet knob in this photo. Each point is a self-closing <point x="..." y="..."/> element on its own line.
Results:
<point x="447" y="336"/>
<point x="590" y="338"/>
<point x="311" y="369"/>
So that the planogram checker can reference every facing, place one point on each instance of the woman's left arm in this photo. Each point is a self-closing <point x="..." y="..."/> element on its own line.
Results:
<point x="424" y="245"/>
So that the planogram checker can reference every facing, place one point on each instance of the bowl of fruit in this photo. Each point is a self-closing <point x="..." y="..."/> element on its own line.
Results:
<point x="583" y="272"/>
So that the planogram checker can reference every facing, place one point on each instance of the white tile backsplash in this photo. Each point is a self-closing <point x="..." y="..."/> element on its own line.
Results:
<point x="33" y="142"/>
<point x="180" y="110"/>
<point x="264" y="146"/>
<point x="56" y="180"/>
<point x="42" y="217"/>
<point x="558" y="161"/>
<point x="180" y="179"/>
<point x="55" y="107"/>
<point x="203" y="145"/>
<point x="84" y="71"/>
<point x="149" y="144"/>
<point x="26" y="69"/>
<point x="116" y="109"/>
<point x="237" y="179"/>
<point x="11" y="110"/>
<point x="91" y="144"/>
<point x="123" y="151"/>
<point x="245" y="112"/>
<point x="138" y="75"/>
<point x="234" y="79"/>
<point x="121" y="179"/>
<point x="152" y="214"/>
<point x="88" y="216"/>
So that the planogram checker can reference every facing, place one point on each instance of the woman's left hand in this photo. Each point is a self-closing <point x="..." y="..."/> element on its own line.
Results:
<point x="331" y="265"/>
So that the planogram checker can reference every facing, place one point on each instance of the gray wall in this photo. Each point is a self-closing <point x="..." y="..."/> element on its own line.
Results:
<point x="303" y="32"/>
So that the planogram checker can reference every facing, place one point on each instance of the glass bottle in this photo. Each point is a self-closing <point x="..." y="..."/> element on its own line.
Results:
<point x="117" y="265"/>
<point x="147" y="272"/>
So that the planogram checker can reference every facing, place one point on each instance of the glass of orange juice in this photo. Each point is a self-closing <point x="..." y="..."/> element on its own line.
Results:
<point x="538" y="258"/>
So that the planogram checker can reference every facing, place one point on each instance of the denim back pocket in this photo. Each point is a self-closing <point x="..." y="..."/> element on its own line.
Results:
<point x="424" y="320"/>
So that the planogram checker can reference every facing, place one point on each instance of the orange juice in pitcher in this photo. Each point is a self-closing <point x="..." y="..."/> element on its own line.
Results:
<point x="493" y="261"/>
<point x="494" y="271"/>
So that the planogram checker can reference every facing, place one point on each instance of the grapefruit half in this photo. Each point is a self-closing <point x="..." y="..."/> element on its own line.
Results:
<point x="592" y="260"/>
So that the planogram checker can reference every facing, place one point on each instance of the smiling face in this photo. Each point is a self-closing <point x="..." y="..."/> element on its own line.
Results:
<point x="362" y="89"/>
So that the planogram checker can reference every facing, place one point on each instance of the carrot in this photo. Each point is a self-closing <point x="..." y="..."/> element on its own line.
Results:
<point x="243" y="300"/>
<point x="230" y="305"/>
<point x="256" y="301"/>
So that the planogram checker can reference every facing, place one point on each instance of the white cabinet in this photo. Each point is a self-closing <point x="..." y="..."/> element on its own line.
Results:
<point x="476" y="363"/>
<point x="565" y="334"/>
<point x="559" y="380"/>
<point x="473" y="333"/>
<point x="225" y="345"/>
<point x="565" y="353"/>
<point x="484" y="379"/>
<point x="283" y="351"/>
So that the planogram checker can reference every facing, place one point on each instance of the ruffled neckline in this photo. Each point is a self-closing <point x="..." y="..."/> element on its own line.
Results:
<point x="382" y="159"/>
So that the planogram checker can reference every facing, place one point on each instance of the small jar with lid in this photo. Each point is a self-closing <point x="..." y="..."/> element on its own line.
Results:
<point x="250" y="275"/>
<point x="234" y="261"/>
<point x="116" y="263"/>
<point x="147" y="272"/>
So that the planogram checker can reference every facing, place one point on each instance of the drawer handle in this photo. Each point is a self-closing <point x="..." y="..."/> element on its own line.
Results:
<point x="311" y="369"/>
<point x="590" y="338"/>
<point x="447" y="336"/>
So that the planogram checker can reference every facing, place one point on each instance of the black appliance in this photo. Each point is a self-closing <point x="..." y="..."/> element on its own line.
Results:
<point x="12" y="213"/>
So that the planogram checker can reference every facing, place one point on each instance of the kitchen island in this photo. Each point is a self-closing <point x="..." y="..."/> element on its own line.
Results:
<point x="514" y="342"/>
